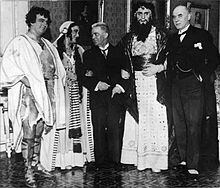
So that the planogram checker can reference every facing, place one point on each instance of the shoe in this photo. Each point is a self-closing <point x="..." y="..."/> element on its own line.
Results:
<point x="156" y="170"/>
<point x="29" y="178"/>
<point x="40" y="170"/>
<point x="193" y="172"/>
<point x="103" y="166"/>
<point x="183" y="163"/>
<point x="181" y="166"/>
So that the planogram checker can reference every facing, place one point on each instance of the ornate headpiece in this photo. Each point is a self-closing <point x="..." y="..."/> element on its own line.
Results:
<point x="63" y="30"/>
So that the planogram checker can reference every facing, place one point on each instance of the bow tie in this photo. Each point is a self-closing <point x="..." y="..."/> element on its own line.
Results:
<point x="183" y="33"/>
<point x="104" y="50"/>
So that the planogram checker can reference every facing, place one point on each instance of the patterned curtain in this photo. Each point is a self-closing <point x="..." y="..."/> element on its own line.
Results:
<point x="115" y="17"/>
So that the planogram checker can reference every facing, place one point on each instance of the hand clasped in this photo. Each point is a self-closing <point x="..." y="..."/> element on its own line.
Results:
<point x="152" y="69"/>
<point x="102" y="86"/>
<point x="115" y="90"/>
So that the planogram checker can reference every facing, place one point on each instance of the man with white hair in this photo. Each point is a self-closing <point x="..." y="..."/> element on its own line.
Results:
<point x="107" y="86"/>
<point x="192" y="60"/>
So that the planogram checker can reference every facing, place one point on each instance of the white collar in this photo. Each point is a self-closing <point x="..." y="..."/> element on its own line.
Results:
<point x="105" y="47"/>
<point x="183" y="30"/>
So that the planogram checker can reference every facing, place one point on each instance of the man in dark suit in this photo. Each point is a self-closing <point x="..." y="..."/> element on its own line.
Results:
<point x="107" y="84"/>
<point x="191" y="61"/>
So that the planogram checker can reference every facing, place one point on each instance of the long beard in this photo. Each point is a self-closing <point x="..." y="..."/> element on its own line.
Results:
<point x="141" y="30"/>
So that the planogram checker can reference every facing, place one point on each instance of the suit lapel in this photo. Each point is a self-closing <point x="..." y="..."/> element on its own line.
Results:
<point x="188" y="37"/>
<point x="98" y="53"/>
<point x="109" y="51"/>
<point x="176" y="41"/>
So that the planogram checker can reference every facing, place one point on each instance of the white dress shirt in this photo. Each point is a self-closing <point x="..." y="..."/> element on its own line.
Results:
<point x="183" y="31"/>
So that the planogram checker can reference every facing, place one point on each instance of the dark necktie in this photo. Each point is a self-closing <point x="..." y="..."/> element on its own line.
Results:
<point x="104" y="52"/>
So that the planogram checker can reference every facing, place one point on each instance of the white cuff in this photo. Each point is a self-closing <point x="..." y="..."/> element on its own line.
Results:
<point x="97" y="86"/>
<point x="122" y="89"/>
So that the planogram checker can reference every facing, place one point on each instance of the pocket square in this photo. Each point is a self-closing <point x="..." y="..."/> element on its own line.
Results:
<point x="198" y="45"/>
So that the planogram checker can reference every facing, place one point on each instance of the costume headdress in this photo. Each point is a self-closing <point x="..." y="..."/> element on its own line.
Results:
<point x="63" y="30"/>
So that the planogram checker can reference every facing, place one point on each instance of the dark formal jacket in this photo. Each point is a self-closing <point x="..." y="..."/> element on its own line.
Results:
<point x="196" y="52"/>
<point x="98" y="68"/>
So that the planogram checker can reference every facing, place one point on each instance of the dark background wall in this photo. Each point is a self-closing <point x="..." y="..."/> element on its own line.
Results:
<point x="115" y="15"/>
